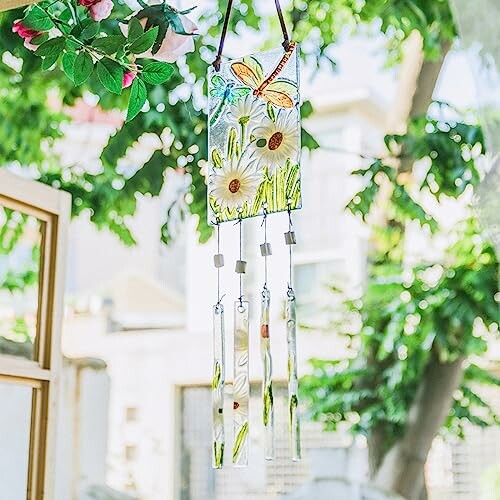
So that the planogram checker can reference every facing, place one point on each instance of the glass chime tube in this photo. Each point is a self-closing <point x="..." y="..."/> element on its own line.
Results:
<point x="241" y="384"/>
<point x="291" y="334"/>
<point x="267" y="384"/>
<point x="218" y="388"/>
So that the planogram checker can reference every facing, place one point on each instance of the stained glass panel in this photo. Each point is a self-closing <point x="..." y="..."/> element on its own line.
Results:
<point x="254" y="136"/>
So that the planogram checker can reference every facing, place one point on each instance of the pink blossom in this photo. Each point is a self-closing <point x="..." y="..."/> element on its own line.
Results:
<point x="27" y="33"/>
<point x="87" y="3"/>
<point x="100" y="10"/>
<point x="174" y="45"/>
<point x="129" y="76"/>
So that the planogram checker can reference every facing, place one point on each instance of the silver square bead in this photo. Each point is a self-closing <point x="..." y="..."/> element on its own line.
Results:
<point x="241" y="266"/>
<point x="218" y="260"/>
<point x="290" y="238"/>
<point x="265" y="249"/>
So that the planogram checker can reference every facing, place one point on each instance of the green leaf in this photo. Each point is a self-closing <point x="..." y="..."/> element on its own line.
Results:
<point x="135" y="30"/>
<point x="83" y="68"/>
<point x="40" y="39"/>
<point x="90" y="31"/>
<point x="306" y="110"/>
<point x="49" y="61"/>
<point x="307" y="140"/>
<point x="110" y="75"/>
<point x="109" y="44"/>
<point x="144" y="42"/>
<point x="138" y="95"/>
<point x="240" y="438"/>
<point x="51" y="47"/>
<point x="68" y="64"/>
<point x="157" y="72"/>
<point x="37" y="19"/>
<point x="270" y="111"/>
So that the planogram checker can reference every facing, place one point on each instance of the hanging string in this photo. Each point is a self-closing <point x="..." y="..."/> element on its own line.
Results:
<point x="241" y="259"/>
<point x="218" y="57"/>
<point x="290" y="269"/>
<point x="264" y="223"/>
<point x="218" y="269"/>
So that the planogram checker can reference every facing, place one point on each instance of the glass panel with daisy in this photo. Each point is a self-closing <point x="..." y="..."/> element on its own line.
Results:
<point x="254" y="136"/>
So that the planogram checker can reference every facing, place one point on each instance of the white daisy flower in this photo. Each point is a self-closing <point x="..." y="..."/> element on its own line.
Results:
<point x="235" y="183"/>
<point x="247" y="112"/>
<point x="240" y="396"/>
<point x="276" y="141"/>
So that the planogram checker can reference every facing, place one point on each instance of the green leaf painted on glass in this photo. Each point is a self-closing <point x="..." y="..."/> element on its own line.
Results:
<point x="157" y="72"/>
<point x="138" y="95"/>
<point x="268" y="403"/>
<point x="240" y="439"/>
<point x="90" y="30"/>
<point x="135" y="30"/>
<point x="270" y="111"/>
<point x="83" y="67"/>
<point x="144" y="42"/>
<point x="232" y="140"/>
<point x="109" y="44"/>
<point x="68" y="64"/>
<point x="37" y="19"/>
<point x="216" y="158"/>
<point x="217" y="375"/>
<point x="51" y="47"/>
<point x="110" y="74"/>
<point x="218" y="455"/>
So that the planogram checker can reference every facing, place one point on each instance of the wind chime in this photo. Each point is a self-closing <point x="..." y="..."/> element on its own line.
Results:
<point x="254" y="155"/>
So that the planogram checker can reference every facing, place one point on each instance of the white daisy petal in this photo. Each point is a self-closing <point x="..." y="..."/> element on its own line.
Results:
<point x="276" y="142"/>
<point x="234" y="184"/>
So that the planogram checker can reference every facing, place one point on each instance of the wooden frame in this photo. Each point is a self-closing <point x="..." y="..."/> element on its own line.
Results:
<point x="14" y="4"/>
<point x="52" y="208"/>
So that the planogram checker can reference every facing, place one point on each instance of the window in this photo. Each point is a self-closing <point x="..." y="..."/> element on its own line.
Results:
<point x="313" y="287"/>
<point x="33" y="224"/>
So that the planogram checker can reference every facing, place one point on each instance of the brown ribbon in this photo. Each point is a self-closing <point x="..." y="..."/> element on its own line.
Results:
<point x="286" y="40"/>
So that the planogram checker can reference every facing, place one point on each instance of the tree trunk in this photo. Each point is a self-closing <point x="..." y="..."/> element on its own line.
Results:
<point x="402" y="470"/>
<point x="417" y="82"/>
<point x="377" y="448"/>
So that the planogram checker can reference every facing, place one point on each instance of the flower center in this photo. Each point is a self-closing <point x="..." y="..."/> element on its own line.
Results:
<point x="234" y="186"/>
<point x="236" y="405"/>
<point x="275" y="141"/>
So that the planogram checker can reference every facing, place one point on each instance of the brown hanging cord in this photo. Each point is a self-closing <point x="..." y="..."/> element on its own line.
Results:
<point x="286" y="40"/>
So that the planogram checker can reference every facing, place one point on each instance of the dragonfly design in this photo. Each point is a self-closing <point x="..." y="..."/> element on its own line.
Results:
<point x="280" y="92"/>
<point x="227" y="92"/>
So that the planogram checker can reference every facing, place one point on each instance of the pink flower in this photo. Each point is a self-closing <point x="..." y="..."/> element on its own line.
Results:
<point x="27" y="33"/>
<point x="87" y="3"/>
<point x="100" y="10"/>
<point x="174" y="45"/>
<point x="129" y="77"/>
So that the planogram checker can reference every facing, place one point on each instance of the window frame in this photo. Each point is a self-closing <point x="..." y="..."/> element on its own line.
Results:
<point x="52" y="208"/>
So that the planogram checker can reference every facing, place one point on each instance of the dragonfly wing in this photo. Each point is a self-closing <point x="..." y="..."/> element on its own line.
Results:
<point x="285" y="86"/>
<point x="216" y="93"/>
<point x="237" y="93"/>
<point x="255" y="66"/>
<point x="277" y="98"/>
<point x="218" y="82"/>
<point x="245" y="74"/>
